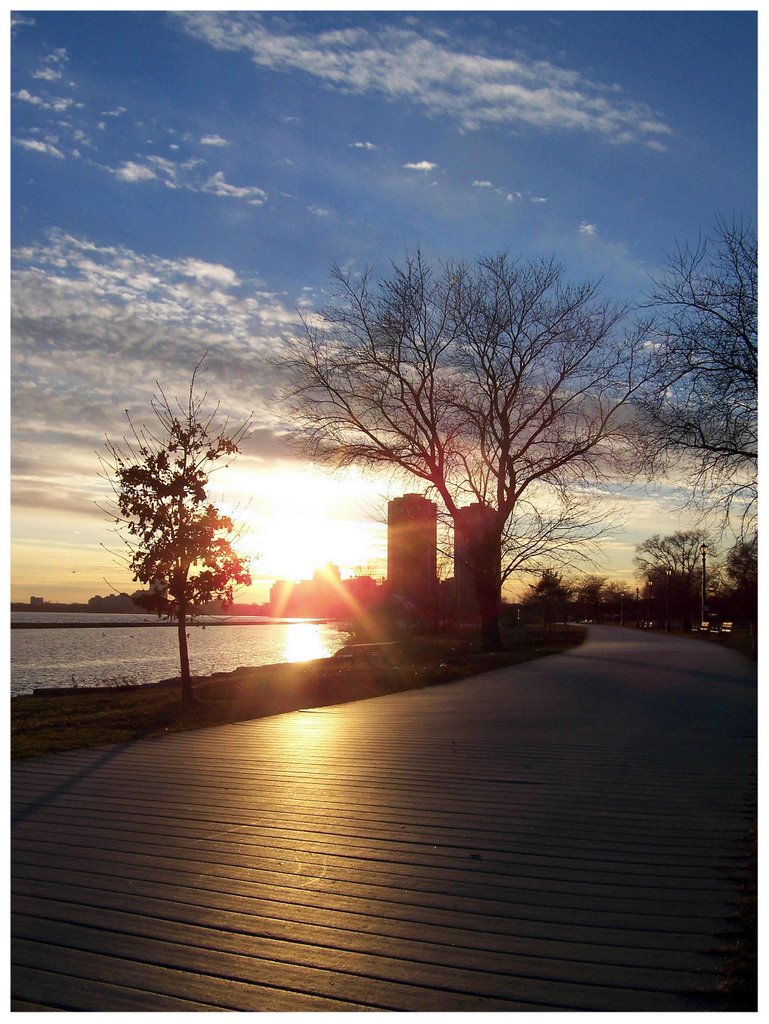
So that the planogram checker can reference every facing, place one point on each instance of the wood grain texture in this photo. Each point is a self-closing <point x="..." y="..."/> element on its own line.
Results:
<point x="565" y="834"/>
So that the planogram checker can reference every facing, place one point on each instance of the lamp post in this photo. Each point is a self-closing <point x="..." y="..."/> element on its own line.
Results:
<point x="637" y="610"/>
<point x="667" y="602"/>
<point x="621" y="608"/>
<point x="703" y="601"/>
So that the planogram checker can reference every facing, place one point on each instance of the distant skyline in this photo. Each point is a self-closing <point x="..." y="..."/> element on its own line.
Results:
<point x="182" y="182"/>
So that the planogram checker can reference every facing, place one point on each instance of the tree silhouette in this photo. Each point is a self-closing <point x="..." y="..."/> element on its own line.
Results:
<point x="704" y="413"/>
<point x="179" y="542"/>
<point x="550" y="594"/>
<point x="741" y="578"/>
<point x="679" y="555"/>
<point x="486" y="382"/>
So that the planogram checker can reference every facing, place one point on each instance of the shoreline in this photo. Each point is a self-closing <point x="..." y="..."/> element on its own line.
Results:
<point x="163" y="625"/>
<point x="56" y="719"/>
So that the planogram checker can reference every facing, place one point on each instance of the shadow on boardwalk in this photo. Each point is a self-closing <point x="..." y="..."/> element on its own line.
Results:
<point x="563" y="834"/>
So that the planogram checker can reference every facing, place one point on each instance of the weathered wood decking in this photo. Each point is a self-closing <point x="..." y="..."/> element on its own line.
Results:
<point x="564" y="835"/>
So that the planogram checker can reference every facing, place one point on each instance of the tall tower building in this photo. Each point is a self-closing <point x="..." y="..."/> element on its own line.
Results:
<point x="412" y="560"/>
<point x="471" y="530"/>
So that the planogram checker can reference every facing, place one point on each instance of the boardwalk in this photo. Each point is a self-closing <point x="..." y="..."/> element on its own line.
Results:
<point x="563" y="835"/>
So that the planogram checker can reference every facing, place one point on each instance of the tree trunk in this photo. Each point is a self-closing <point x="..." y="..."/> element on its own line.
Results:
<point x="488" y="605"/>
<point x="184" y="657"/>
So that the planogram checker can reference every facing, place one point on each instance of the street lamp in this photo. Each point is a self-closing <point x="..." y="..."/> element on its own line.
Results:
<point x="703" y="601"/>
<point x="667" y="602"/>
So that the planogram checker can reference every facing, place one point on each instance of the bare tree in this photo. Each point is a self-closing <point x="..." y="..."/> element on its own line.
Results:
<point x="566" y="529"/>
<point x="741" y="578"/>
<point x="481" y="381"/>
<point x="704" y="414"/>
<point x="675" y="562"/>
<point x="589" y="593"/>
<point x="179" y="543"/>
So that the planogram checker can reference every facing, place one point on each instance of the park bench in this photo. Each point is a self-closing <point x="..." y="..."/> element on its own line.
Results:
<point x="365" y="654"/>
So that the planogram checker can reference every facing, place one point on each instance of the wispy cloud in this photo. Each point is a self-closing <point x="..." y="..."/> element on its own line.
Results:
<point x="131" y="171"/>
<point x="509" y="195"/>
<point x="20" y="21"/>
<point x="588" y="229"/>
<point x="219" y="187"/>
<point x="187" y="175"/>
<point x="37" y="146"/>
<point x="51" y="71"/>
<point x="422" y="165"/>
<point x="213" y="140"/>
<point x="59" y="104"/>
<point x="362" y="145"/>
<point x="420" y="68"/>
<point x="47" y="74"/>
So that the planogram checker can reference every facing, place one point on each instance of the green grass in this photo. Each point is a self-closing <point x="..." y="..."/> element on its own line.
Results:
<point x="66" y="720"/>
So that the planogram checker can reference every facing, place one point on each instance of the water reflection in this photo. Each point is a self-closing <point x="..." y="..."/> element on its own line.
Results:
<point x="306" y="641"/>
<point x="95" y="657"/>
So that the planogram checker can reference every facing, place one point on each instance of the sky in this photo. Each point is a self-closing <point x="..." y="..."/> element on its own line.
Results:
<point x="181" y="183"/>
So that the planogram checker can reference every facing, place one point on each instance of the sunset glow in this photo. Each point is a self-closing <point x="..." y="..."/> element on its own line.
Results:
<point x="300" y="520"/>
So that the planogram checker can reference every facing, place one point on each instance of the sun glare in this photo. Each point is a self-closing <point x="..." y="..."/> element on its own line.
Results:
<point x="302" y="520"/>
<point x="295" y="547"/>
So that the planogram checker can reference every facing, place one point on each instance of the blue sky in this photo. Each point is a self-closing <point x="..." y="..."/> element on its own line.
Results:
<point x="183" y="181"/>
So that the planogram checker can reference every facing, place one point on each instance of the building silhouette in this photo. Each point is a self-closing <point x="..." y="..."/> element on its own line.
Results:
<point x="326" y="595"/>
<point x="412" y="560"/>
<point x="471" y="528"/>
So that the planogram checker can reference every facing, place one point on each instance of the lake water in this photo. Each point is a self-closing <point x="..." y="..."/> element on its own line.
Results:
<point x="135" y="653"/>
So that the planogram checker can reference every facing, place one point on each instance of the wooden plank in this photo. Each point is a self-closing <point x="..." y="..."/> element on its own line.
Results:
<point x="215" y="809"/>
<point x="460" y="907"/>
<point x="403" y="986"/>
<point x="25" y="1006"/>
<point x="493" y="911"/>
<point x="151" y="987"/>
<point x="219" y="816"/>
<point x="413" y="922"/>
<point x="247" y="979"/>
<point x="660" y="888"/>
<point x="292" y="883"/>
<point x="527" y="834"/>
<point x="61" y="991"/>
<point x="305" y="868"/>
<point x="365" y="932"/>
<point x="552" y="836"/>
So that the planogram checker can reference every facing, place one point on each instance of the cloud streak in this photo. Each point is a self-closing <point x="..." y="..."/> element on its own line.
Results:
<point x="186" y="175"/>
<point x="95" y="326"/>
<point x="403" y="64"/>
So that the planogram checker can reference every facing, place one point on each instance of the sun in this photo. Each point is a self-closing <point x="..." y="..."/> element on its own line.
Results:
<point x="294" y="547"/>
<point x="300" y="520"/>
